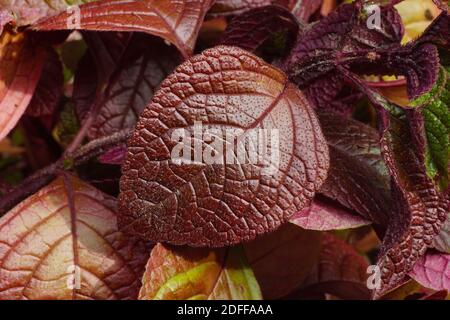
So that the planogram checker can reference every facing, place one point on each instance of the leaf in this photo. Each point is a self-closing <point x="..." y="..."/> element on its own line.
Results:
<point x="325" y="214"/>
<point x="137" y="76"/>
<point x="282" y="260"/>
<point x="20" y="69"/>
<point x="357" y="178"/>
<point x="233" y="7"/>
<point x="436" y="124"/>
<point x="215" y="203"/>
<point x="175" y="21"/>
<point x="49" y="89"/>
<point x="303" y="9"/>
<point x="183" y="273"/>
<point x="5" y="18"/>
<point x="340" y="271"/>
<point x="419" y="210"/>
<point x="433" y="271"/>
<point x="442" y="241"/>
<point x="27" y="12"/>
<point x="65" y="231"/>
<point x="255" y="27"/>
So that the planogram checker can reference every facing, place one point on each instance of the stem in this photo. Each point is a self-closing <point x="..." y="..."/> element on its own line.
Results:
<point x="44" y="176"/>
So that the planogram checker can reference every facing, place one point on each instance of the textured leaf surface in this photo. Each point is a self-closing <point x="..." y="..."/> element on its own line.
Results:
<point x="137" y="76"/>
<point x="324" y="215"/>
<point x="215" y="204"/>
<point x="340" y="271"/>
<point x="20" y="69"/>
<point x="251" y="29"/>
<point x="49" y="89"/>
<point x="433" y="271"/>
<point x="357" y="178"/>
<point x="65" y="230"/>
<point x="282" y="260"/>
<point x="181" y="273"/>
<point x="175" y="21"/>
<point x="419" y="209"/>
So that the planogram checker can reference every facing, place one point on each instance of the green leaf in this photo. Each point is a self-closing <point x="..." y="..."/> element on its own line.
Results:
<point x="436" y="115"/>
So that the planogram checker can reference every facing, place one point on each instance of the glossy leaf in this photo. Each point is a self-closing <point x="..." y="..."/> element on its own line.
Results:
<point x="20" y="69"/>
<point x="182" y="273"/>
<point x="253" y="28"/>
<point x="215" y="203"/>
<point x="325" y="214"/>
<point x="175" y="21"/>
<point x="282" y="260"/>
<point x="49" y="89"/>
<point x="63" y="243"/>
<point x="433" y="271"/>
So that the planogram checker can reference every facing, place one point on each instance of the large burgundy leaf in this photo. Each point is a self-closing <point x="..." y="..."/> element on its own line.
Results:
<point x="357" y="178"/>
<point x="419" y="210"/>
<point x="433" y="271"/>
<point x="282" y="260"/>
<point x="182" y="273"/>
<point x="20" y="68"/>
<point x="340" y="271"/>
<point x="175" y="21"/>
<point x="215" y="204"/>
<point x="49" y="89"/>
<point x="144" y="64"/>
<point x="325" y="214"/>
<point x="253" y="28"/>
<point x="63" y="243"/>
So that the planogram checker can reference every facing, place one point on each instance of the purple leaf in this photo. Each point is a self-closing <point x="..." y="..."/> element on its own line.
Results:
<point x="253" y="28"/>
<point x="115" y="155"/>
<point x="433" y="271"/>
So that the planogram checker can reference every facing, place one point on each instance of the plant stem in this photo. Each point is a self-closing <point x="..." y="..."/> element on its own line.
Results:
<point x="44" y="176"/>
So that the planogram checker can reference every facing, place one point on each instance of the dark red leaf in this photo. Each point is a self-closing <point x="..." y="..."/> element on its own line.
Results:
<point x="357" y="178"/>
<point x="49" y="89"/>
<point x="340" y="271"/>
<point x="137" y="76"/>
<point x="175" y="21"/>
<point x="215" y="204"/>
<point x="114" y="156"/>
<point x="282" y="260"/>
<point x="419" y="209"/>
<point x="253" y="28"/>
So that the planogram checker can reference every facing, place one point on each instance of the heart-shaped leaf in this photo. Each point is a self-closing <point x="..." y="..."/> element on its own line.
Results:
<point x="181" y="273"/>
<point x="20" y="69"/>
<point x="231" y="198"/>
<point x="175" y="21"/>
<point x="63" y="243"/>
